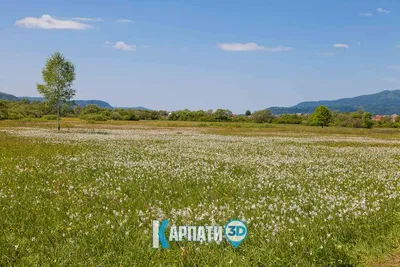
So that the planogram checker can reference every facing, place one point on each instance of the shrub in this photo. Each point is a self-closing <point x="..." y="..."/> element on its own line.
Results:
<point x="91" y="109"/>
<point x="15" y="116"/>
<point x="322" y="116"/>
<point x="262" y="116"/>
<point x="3" y="114"/>
<point x="115" y="116"/>
<point x="289" y="119"/>
<point x="130" y="116"/>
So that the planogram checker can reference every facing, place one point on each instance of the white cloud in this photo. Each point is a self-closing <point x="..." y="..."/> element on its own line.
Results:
<point x="125" y="21"/>
<point x="325" y="54"/>
<point x="48" y="22"/>
<point x="122" y="46"/>
<point x="382" y="10"/>
<point x="341" y="46"/>
<point x="366" y="14"/>
<point x="251" y="47"/>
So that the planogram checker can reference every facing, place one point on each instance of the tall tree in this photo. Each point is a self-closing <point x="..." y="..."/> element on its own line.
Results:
<point x="262" y="116"/>
<point x="322" y="116"/>
<point x="58" y="76"/>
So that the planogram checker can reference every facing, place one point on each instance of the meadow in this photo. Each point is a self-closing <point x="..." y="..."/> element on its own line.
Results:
<point x="87" y="195"/>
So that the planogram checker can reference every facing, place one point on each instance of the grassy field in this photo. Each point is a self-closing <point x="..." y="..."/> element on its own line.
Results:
<point x="87" y="195"/>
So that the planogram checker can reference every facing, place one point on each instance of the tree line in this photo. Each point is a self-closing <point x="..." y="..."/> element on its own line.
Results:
<point x="322" y="116"/>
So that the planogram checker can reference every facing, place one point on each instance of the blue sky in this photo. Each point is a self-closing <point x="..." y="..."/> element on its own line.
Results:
<point x="205" y="54"/>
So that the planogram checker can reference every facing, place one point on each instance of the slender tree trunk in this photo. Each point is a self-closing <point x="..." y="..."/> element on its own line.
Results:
<point x="58" y="115"/>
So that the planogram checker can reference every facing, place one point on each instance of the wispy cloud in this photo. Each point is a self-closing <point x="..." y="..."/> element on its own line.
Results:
<point x="325" y="54"/>
<point x="125" y="21"/>
<point x="122" y="46"/>
<point x="366" y="14"/>
<point x="48" y="22"/>
<point x="243" y="47"/>
<point x="341" y="46"/>
<point x="382" y="10"/>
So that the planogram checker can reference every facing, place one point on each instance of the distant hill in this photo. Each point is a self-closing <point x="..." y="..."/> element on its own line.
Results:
<point x="8" y="97"/>
<point x="135" y="108"/>
<point x="82" y="103"/>
<point x="385" y="103"/>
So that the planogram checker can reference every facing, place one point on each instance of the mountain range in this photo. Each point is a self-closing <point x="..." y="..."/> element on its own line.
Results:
<point x="82" y="103"/>
<point x="385" y="103"/>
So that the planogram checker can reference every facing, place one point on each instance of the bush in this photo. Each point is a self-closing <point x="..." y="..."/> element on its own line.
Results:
<point x="396" y="125"/>
<point x="91" y="109"/>
<point x="50" y="117"/>
<point x="289" y="119"/>
<point x="368" y="124"/>
<point x="262" y="116"/>
<point x="15" y="116"/>
<point x="115" y="116"/>
<point x="3" y="114"/>
<point x="322" y="116"/>
<point x="130" y="116"/>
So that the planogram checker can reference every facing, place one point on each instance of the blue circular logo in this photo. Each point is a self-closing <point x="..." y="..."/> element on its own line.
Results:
<point x="236" y="232"/>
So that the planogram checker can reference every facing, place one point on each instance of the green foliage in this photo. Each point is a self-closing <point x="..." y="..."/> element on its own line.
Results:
<point x="3" y="110"/>
<point x="115" y="116"/>
<point x="358" y="119"/>
<point x="35" y="109"/>
<point x="58" y="75"/>
<point x="322" y="116"/>
<point x="263" y="116"/>
<point x="106" y="112"/>
<point x="78" y="110"/>
<point x="367" y="120"/>
<point x="289" y="119"/>
<point x="19" y="110"/>
<point x="91" y="109"/>
<point x="247" y="113"/>
<point x="130" y="116"/>
<point x="200" y="115"/>
<point x="222" y="114"/>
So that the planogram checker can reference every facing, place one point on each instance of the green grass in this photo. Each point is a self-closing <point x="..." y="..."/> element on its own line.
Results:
<point x="87" y="196"/>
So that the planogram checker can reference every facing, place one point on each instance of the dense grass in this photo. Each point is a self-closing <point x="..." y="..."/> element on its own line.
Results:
<point x="87" y="195"/>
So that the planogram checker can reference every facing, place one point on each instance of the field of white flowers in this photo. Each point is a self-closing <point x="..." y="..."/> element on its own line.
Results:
<point x="88" y="197"/>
